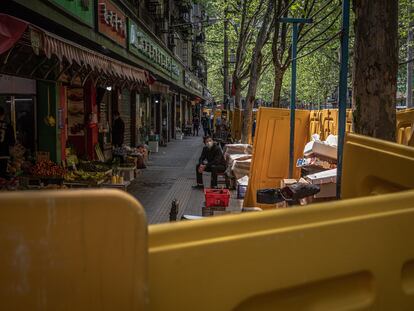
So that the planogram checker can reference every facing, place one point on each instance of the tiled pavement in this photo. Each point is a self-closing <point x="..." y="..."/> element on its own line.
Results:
<point x="169" y="175"/>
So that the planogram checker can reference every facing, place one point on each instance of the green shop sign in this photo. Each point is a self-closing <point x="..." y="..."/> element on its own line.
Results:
<point x="83" y="10"/>
<point x="143" y="46"/>
<point x="191" y="82"/>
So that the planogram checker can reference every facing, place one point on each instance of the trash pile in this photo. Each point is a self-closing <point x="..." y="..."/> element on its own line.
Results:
<point x="238" y="158"/>
<point x="318" y="181"/>
<point x="319" y="165"/>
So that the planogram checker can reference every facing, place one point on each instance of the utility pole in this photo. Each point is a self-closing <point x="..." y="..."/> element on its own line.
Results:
<point x="343" y="91"/>
<point x="226" y="58"/>
<point x="410" y="64"/>
<point x="295" y="29"/>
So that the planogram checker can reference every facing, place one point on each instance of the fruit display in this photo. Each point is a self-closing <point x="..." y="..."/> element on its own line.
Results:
<point x="125" y="151"/>
<point x="17" y="156"/>
<point x="92" y="167"/>
<point x="7" y="185"/>
<point x="47" y="168"/>
<point x="83" y="176"/>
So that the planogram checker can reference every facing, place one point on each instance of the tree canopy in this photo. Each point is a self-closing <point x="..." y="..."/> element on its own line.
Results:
<point x="318" y="47"/>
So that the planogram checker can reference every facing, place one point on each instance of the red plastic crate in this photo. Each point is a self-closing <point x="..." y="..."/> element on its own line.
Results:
<point x="217" y="197"/>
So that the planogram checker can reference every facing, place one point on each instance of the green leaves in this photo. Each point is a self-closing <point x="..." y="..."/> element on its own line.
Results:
<point x="318" y="72"/>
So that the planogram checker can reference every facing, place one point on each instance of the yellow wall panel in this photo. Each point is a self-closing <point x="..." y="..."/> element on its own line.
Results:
<point x="270" y="162"/>
<point x="72" y="250"/>
<point x="345" y="255"/>
<point x="405" y="126"/>
<point x="373" y="166"/>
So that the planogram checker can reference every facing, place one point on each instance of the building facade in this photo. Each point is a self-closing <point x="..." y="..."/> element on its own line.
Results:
<point x="68" y="65"/>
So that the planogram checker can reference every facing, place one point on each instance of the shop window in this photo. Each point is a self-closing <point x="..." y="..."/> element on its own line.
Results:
<point x="20" y="113"/>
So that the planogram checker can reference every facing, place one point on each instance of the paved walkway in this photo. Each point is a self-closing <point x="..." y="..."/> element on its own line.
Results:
<point x="169" y="175"/>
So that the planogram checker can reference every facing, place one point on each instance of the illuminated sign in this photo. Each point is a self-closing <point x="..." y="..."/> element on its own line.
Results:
<point x="112" y="22"/>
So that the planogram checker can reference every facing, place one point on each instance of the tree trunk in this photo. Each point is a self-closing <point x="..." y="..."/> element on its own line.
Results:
<point x="375" y="68"/>
<point x="237" y="89"/>
<point x="255" y="66"/>
<point x="277" y="88"/>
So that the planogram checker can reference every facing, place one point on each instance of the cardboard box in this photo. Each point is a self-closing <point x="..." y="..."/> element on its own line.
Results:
<point x="321" y="149"/>
<point x="286" y="182"/>
<point x="326" y="181"/>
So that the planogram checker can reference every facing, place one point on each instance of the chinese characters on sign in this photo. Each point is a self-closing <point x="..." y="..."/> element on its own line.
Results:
<point x="142" y="45"/>
<point x="112" y="22"/>
<point x="192" y="83"/>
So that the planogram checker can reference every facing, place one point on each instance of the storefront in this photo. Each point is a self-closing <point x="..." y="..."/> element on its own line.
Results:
<point x="71" y="75"/>
<point x="18" y="98"/>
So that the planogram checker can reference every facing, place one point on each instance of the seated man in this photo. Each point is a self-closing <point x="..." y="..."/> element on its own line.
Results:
<point x="211" y="160"/>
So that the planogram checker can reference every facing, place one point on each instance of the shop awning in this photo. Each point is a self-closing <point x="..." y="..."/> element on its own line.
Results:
<point x="72" y="52"/>
<point x="36" y="53"/>
<point x="158" y="87"/>
<point x="11" y="29"/>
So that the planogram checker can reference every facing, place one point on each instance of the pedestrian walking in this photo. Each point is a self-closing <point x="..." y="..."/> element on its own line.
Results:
<point x="118" y="130"/>
<point x="205" y="122"/>
<point x="196" y="125"/>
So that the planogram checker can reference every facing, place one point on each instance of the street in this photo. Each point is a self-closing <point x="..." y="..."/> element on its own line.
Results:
<point x="169" y="175"/>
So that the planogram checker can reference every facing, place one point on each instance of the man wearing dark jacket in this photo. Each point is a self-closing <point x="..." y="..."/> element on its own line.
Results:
<point x="7" y="140"/>
<point x="118" y="130"/>
<point x="211" y="160"/>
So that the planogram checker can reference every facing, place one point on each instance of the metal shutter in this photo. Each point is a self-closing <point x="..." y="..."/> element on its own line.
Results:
<point x="125" y="112"/>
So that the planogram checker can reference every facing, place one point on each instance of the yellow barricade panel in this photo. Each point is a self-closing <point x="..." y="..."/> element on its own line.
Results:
<point x="270" y="162"/>
<point x="72" y="250"/>
<point x="373" y="166"/>
<point x="329" y="122"/>
<point x="349" y="121"/>
<point x="315" y="123"/>
<point x="405" y="124"/>
<point x="345" y="255"/>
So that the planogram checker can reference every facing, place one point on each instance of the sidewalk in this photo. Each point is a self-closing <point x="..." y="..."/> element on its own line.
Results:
<point x="169" y="175"/>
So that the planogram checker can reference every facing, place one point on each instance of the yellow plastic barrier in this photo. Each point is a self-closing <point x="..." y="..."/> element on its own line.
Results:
<point x="405" y="127"/>
<point x="373" y="166"/>
<point x="329" y="121"/>
<point x="349" y="121"/>
<point x="72" y="250"/>
<point x="345" y="255"/>
<point x="270" y="162"/>
<point x="236" y="125"/>
<point x="87" y="250"/>
<point x="315" y="123"/>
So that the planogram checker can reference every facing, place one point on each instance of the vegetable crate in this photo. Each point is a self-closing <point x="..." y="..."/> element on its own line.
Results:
<point x="217" y="197"/>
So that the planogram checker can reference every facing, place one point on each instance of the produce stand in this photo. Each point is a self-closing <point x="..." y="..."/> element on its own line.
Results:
<point x="85" y="184"/>
<point x="38" y="182"/>
<point x="127" y="172"/>
<point x="121" y="186"/>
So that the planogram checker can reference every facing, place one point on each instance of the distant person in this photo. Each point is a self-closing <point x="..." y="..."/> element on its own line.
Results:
<point x="211" y="160"/>
<point x="196" y="125"/>
<point x="7" y="140"/>
<point x="205" y="122"/>
<point x="118" y="130"/>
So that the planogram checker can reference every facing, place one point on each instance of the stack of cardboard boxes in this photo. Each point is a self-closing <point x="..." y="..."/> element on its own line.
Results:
<point x="319" y="166"/>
